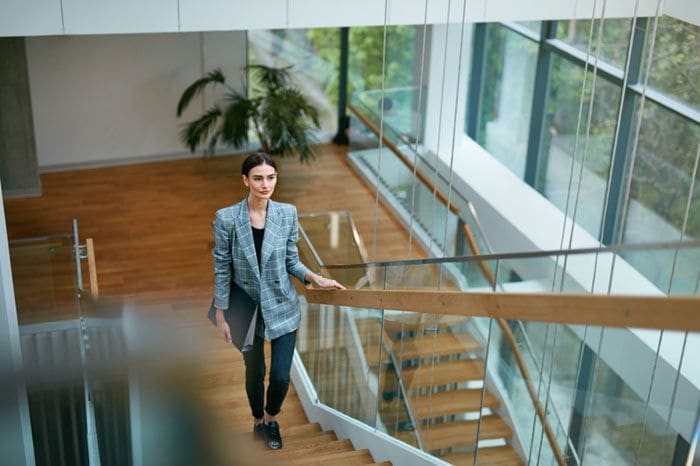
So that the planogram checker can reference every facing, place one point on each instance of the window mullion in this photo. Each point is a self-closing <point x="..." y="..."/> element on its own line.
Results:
<point x="533" y="160"/>
<point x="620" y="154"/>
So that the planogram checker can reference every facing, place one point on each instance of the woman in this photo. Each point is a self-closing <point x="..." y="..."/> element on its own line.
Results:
<point x="255" y="247"/>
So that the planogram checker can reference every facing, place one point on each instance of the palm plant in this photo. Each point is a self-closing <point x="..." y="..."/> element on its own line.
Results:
<point x="279" y="113"/>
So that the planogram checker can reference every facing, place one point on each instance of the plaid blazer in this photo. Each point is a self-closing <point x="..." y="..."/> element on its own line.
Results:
<point x="235" y="259"/>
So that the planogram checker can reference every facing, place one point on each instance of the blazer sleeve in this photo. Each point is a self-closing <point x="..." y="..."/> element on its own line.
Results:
<point x="223" y="267"/>
<point x="294" y="265"/>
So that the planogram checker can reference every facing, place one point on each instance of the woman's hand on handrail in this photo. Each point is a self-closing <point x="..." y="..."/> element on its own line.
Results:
<point x="323" y="282"/>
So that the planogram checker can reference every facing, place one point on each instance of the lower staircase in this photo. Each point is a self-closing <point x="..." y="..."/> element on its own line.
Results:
<point x="442" y="368"/>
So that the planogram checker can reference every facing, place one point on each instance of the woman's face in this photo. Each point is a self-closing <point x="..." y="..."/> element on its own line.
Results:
<point x="261" y="181"/>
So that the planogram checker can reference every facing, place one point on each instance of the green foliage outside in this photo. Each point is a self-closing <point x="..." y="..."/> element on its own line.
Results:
<point x="667" y="144"/>
<point x="365" y="57"/>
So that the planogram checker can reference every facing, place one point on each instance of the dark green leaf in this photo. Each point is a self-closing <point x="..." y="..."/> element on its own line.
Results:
<point x="213" y="77"/>
<point x="196" y="132"/>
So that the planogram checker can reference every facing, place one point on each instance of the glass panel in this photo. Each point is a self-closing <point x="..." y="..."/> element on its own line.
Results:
<point x="602" y="272"/>
<point x="613" y="42"/>
<point x="312" y="53"/>
<point x="620" y="427"/>
<point x="449" y="232"/>
<point x="560" y="145"/>
<point x="341" y="351"/>
<point x="334" y="233"/>
<point x="43" y="273"/>
<point x="520" y="364"/>
<point x="366" y="48"/>
<point x="420" y="377"/>
<point x="675" y="62"/>
<point x="506" y="102"/>
<point x="48" y="308"/>
<point x="667" y="148"/>
<point x="401" y="73"/>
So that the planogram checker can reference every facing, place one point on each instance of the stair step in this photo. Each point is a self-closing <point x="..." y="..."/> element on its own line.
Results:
<point x="463" y="433"/>
<point x="451" y="402"/>
<point x="439" y="344"/>
<point x="313" y="442"/>
<point x="458" y="433"/>
<point x="503" y="455"/>
<point x="341" y="458"/>
<point x="301" y="430"/>
<point x="443" y="373"/>
<point x="411" y="322"/>
<point x="322" y="448"/>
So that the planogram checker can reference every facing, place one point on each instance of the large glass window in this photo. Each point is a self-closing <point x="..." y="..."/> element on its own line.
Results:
<point x="661" y="178"/>
<point x="616" y="418"/>
<point x="506" y="100"/>
<point x="401" y="74"/>
<point x="563" y="141"/>
<point x="613" y="42"/>
<point x="675" y="67"/>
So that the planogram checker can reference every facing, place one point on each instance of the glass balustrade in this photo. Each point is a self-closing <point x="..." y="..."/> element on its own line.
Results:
<point x="43" y="272"/>
<point x="434" y="381"/>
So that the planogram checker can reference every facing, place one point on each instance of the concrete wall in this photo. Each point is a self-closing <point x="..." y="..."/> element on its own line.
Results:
<point x="107" y="99"/>
<point x="18" y="166"/>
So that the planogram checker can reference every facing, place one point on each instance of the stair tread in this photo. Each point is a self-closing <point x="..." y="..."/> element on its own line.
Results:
<point x="503" y="455"/>
<point x="339" y="458"/>
<point x="439" y="344"/>
<point x="451" y="402"/>
<point x="443" y="373"/>
<point x="312" y="449"/>
<point x="311" y="442"/>
<point x="302" y="430"/>
<point x="461" y="432"/>
<point x="410" y="323"/>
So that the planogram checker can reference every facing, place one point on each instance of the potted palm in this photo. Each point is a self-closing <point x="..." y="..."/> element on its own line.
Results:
<point x="278" y="112"/>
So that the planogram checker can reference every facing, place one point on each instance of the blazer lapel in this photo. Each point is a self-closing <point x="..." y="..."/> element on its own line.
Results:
<point x="245" y="237"/>
<point x="271" y="229"/>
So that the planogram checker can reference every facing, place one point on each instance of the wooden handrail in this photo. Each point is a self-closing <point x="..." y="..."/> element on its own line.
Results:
<point x="92" y="268"/>
<point x="517" y="354"/>
<point x="393" y="148"/>
<point x="485" y="269"/>
<point x="655" y="312"/>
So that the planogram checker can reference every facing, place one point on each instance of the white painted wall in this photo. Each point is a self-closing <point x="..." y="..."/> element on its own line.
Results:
<point x="103" y="99"/>
<point x="447" y="78"/>
<point x="42" y="17"/>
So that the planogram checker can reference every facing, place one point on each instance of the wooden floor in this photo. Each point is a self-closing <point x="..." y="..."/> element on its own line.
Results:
<point x="151" y="224"/>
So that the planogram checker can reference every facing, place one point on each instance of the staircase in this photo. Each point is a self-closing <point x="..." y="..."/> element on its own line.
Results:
<point x="221" y="385"/>
<point x="442" y="371"/>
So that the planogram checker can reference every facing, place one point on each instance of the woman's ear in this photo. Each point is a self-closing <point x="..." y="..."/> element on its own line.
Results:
<point x="245" y="181"/>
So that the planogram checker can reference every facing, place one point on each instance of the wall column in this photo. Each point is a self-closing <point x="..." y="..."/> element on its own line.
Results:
<point x="18" y="164"/>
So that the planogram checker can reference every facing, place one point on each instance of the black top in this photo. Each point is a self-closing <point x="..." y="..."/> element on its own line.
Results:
<point x="258" y="234"/>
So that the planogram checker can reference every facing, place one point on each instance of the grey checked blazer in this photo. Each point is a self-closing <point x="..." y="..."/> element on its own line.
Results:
<point x="235" y="259"/>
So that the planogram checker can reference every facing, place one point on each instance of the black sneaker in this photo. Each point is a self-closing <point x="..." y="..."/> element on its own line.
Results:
<point x="273" y="436"/>
<point x="259" y="431"/>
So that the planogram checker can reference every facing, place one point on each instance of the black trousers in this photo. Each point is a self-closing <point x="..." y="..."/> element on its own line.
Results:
<point x="280" y="362"/>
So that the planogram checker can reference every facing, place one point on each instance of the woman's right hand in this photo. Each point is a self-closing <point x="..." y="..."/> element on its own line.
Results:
<point x="221" y="326"/>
